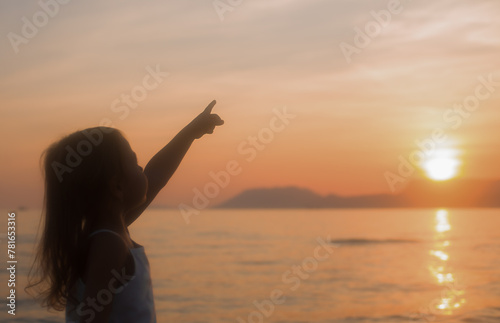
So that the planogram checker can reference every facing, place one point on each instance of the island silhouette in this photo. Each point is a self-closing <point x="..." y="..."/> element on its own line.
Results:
<point x="456" y="193"/>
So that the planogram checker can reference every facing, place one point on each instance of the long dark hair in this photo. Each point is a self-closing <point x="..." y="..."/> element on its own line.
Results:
<point x="77" y="171"/>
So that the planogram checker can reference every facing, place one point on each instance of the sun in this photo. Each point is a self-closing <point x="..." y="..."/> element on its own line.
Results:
<point x="441" y="168"/>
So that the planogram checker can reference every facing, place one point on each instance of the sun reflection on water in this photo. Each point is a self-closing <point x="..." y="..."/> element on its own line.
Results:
<point x="440" y="254"/>
<point x="443" y="225"/>
<point x="452" y="296"/>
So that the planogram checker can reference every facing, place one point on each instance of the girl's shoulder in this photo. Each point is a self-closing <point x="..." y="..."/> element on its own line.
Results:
<point x="107" y="251"/>
<point x="107" y="235"/>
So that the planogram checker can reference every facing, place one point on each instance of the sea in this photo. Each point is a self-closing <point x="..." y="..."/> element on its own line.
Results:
<point x="301" y="265"/>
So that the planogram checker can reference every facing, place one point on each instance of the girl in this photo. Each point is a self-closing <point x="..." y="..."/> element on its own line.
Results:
<point x="86" y="261"/>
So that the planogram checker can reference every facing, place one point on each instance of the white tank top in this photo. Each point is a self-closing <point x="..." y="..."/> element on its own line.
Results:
<point x="132" y="303"/>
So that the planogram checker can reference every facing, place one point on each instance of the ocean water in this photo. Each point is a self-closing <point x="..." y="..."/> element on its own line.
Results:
<point x="352" y="266"/>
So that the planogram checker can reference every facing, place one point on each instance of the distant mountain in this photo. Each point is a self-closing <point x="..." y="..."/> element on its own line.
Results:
<point x="453" y="193"/>
<point x="286" y="197"/>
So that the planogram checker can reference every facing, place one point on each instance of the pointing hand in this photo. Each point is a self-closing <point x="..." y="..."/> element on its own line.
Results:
<point x="206" y="122"/>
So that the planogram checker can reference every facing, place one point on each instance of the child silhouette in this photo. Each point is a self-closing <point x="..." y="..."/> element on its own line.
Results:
<point x="86" y="262"/>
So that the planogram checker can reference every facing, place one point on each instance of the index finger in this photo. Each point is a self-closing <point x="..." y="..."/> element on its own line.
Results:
<point x="209" y="108"/>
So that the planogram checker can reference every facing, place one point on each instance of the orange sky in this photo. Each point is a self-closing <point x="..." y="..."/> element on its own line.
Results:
<point x="353" y="120"/>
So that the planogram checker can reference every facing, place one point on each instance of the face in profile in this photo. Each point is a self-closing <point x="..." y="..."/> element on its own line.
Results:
<point x="134" y="181"/>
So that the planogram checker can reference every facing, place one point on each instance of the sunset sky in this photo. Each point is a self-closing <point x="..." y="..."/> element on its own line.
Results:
<point x="353" y="119"/>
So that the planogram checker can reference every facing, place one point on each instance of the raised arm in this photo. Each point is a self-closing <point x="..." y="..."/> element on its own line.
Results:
<point x="163" y="165"/>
